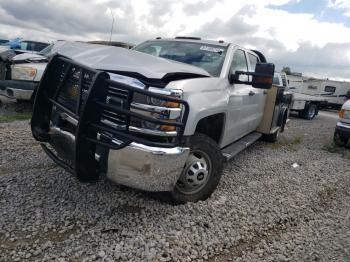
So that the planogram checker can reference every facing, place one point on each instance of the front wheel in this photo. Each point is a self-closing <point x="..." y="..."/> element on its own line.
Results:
<point x="202" y="171"/>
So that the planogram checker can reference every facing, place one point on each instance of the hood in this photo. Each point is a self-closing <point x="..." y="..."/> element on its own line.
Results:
<point x="119" y="59"/>
<point x="346" y="105"/>
<point x="28" y="57"/>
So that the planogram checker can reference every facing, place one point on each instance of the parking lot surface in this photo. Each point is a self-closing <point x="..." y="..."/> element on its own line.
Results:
<point x="288" y="201"/>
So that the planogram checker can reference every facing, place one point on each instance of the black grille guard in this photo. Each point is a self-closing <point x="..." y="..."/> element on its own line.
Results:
<point x="88" y="111"/>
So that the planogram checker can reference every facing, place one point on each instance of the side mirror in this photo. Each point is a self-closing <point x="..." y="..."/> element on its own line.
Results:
<point x="347" y="95"/>
<point x="262" y="77"/>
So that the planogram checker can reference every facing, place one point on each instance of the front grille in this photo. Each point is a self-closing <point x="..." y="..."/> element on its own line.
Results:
<point x="69" y="93"/>
<point x="70" y="85"/>
<point x="118" y="98"/>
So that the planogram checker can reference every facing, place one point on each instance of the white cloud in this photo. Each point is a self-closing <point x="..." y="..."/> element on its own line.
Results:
<point x="342" y="4"/>
<point x="249" y="22"/>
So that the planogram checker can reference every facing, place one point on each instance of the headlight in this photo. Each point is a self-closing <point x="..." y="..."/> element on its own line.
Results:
<point x="158" y="109"/>
<point x="344" y="114"/>
<point x="23" y="73"/>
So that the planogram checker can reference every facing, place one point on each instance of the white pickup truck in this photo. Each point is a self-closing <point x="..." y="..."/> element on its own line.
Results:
<point x="161" y="117"/>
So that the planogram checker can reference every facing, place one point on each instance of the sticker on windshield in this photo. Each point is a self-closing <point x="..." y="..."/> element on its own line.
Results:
<point x="211" y="49"/>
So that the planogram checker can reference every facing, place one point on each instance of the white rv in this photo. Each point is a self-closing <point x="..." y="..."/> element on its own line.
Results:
<point x="335" y="92"/>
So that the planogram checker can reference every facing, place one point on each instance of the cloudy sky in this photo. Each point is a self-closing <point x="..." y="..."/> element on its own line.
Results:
<point x="310" y="36"/>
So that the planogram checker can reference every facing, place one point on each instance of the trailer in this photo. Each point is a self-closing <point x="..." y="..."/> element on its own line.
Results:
<point x="334" y="92"/>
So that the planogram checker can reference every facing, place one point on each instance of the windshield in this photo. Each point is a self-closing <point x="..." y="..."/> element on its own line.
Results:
<point x="206" y="56"/>
<point x="47" y="50"/>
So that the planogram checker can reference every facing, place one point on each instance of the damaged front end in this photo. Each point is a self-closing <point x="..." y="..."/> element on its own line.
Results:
<point x="92" y="122"/>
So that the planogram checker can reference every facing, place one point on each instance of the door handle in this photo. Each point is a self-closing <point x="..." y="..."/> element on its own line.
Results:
<point x="265" y="92"/>
<point x="251" y="93"/>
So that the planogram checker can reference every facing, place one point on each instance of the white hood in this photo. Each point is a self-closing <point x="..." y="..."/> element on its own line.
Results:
<point x="111" y="58"/>
<point x="28" y="56"/>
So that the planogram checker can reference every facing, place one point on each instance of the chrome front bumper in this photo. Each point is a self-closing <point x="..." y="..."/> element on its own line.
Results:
<point x="147" y="168"/>
<point x="22" y="90"/>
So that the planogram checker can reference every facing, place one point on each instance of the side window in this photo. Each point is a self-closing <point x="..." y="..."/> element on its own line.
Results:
<point x="24" y="46"/>
<point x="239" y="63"/>
<point x="330" y="89"/>
<point x="276" y="80"/>
<point x="253" y="61"/>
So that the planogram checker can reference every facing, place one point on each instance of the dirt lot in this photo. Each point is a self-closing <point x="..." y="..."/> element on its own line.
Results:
<point x="263" y="209"/>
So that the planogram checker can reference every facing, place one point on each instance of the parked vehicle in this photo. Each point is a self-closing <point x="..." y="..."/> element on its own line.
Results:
<point x="12" y="48"/>
<point x="334" y="92"/>
<point x="23" y="72"/>
<point x="342" y="130"/>
<point x="307" y="105"/>
<point x="112" y="43"/>
<point x="20" y="74"/>
<point x="23" y="46"/>
<point x="161" y="117"/>
<point x="4" y="42"/>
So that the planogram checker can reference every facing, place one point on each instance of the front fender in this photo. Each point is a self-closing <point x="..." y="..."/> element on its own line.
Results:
<point x="205" y="96"/>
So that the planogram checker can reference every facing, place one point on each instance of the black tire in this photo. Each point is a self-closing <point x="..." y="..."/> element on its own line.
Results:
<point x="205" y="145"/>
<point x="272" y="138"/>
<point x="310" y="111"/>
<point x="339" y="140"/>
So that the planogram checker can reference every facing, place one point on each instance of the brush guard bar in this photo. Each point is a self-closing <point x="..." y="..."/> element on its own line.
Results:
<point x="90" y="89"/>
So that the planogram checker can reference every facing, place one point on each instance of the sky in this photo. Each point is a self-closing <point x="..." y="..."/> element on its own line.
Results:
<point x="309" y="36"/>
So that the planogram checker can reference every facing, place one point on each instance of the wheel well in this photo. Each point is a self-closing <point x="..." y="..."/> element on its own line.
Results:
<point x="211" y="126"/>
<point x="316" y="103"/>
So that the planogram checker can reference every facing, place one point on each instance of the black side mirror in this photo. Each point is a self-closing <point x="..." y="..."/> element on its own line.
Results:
<point x="262" y="77"/>
<point x="347" y="95"/>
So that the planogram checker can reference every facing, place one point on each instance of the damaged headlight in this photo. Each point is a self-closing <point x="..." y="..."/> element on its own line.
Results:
<point x="23" y="73"/>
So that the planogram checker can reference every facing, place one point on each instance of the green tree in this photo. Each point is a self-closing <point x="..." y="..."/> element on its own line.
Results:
<point x="287" y="70"/>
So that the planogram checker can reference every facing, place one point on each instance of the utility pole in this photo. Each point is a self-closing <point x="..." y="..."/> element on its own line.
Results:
<point x="110" y="38"/>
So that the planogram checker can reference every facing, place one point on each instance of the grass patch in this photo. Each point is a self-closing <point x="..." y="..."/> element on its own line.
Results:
<point x="15" y="117"/>
<point x="289" y="143"/>
<point x="2" y="172"/>
<point x="335" y="148"/>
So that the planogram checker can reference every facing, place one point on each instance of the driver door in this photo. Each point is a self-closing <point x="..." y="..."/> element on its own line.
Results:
<point x="240" y="100"/>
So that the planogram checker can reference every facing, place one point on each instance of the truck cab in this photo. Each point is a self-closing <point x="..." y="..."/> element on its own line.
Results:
<point x="161" y="117"/>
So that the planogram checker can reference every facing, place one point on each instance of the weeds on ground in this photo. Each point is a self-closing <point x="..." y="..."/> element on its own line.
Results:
<point x="2" y="172"/>
<point x="336" y="147"/>
<point x="14" y="117"/>
<point x="289" y="143"/>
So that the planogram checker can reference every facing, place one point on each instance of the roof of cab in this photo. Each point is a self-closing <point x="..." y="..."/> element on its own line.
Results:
<point x="194" y="40"/>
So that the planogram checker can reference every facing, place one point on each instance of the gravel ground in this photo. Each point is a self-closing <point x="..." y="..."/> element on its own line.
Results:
<point x="263" y="209"/>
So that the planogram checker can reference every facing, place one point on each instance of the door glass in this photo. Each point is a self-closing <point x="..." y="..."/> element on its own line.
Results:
<point x="24" y="46"/>
<point x="239" y="63"/>
<point x="253" y="61"/>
